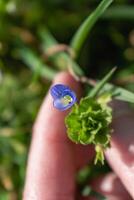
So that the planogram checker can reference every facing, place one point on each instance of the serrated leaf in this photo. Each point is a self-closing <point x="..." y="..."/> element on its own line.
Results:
<point x="88" y="123"/>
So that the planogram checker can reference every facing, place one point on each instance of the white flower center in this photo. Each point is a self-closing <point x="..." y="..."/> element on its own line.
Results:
<point x="66" y="100"/>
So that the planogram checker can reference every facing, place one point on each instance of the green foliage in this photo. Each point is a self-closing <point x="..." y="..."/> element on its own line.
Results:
<point x="19" y="103"/>
<point x="119" y="93"/>
<point x="88" y="123"/>
<point x="36" y="64"/>
<point x="120" y="12"/>
<point x="25" y="71"/>
<point x="101" y="83"/>
<point x="102" y="87"/>
<point x="60" y="60"/>
<point x="84" y="30"/>
<point x="88" y="191"/>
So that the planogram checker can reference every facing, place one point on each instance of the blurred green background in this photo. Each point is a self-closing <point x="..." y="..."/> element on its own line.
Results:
<point x="23" y="84"/>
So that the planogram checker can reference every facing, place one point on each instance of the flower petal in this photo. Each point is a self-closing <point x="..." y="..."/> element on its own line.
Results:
<point x="63" y="97"/>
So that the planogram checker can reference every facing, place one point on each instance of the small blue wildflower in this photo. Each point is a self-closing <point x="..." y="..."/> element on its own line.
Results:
<point x="63" y="96"/>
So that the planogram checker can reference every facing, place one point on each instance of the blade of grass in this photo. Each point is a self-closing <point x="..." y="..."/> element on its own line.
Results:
<point x="46" y="37"/>
<point x="119" y="93"/>
<point x="101" y="83"/>
<point x="84" y="30"/>
<point x="120" y="12"/>
<point x="62" y="59"/>
<point x="36" y="64"/>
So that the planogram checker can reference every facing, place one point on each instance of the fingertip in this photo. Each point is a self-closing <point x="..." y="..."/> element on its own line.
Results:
<point x="63" y="77"/>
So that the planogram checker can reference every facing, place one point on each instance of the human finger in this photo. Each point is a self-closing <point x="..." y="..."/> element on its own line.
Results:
<point x="121" y="153"/>
<point x="51" y="163"/>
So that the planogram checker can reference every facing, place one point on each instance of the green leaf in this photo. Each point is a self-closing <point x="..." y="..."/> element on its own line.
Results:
<point x="118" y="93"/>
<point x="84" y="30"/>
<point x="101" y="83"/>
<point x="88" y="123"/>
<point x="106" y="91"/>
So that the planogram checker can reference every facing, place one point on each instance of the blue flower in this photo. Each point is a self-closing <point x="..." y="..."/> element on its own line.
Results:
<point x="63" y="96"/>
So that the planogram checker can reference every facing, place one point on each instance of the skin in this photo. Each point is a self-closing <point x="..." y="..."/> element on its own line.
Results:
<point x="54" y="160"/>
